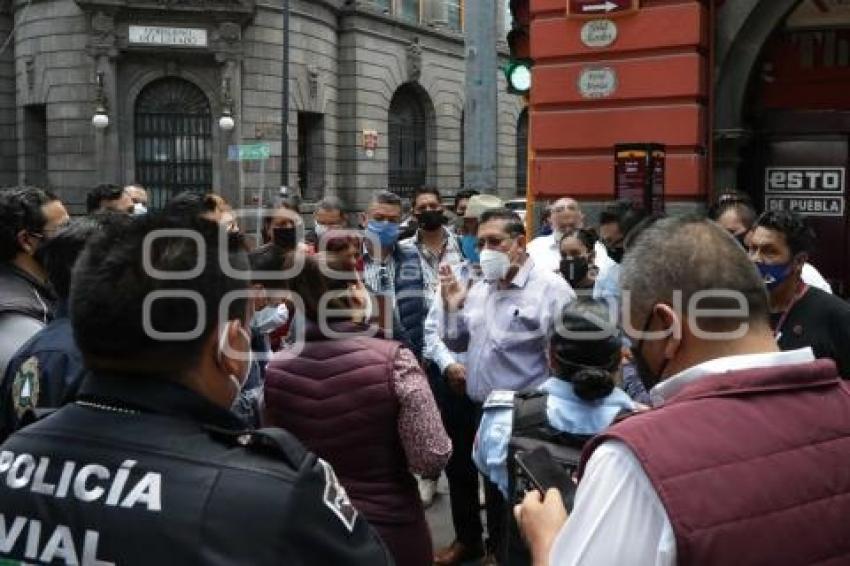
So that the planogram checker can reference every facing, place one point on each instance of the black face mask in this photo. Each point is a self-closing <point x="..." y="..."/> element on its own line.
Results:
<point x="431" y="219"/>
<point x="574" y="269"/>
<point x="284" y="237"/>
<point x="647" y="375"/>
<point x="616" y="254"/>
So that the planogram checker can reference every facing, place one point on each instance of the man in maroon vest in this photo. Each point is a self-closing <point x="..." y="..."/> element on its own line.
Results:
<point x="743" y="458"/>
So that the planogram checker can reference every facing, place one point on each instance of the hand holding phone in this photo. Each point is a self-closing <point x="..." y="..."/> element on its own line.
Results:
<point x="544" y="473"/>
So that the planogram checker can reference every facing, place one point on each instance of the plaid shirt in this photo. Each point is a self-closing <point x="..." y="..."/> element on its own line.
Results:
<point x="451" y="255"/>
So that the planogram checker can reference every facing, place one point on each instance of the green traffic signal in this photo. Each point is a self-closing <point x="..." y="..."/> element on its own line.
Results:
<point x="518" y="75"/>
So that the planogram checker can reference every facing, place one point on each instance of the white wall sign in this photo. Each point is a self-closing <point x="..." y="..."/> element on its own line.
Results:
<point x="597" y="82"/>
<point x="809" y="191"/>
<point x="178" y="37"/>
<point x="599" y="33"/>
<point x="804" y="180"/>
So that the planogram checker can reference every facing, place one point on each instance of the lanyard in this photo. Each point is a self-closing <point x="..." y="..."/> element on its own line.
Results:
<point x="801" y="290"/>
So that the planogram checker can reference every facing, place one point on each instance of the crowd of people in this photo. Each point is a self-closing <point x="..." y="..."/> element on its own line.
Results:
<point x="178" y="390"/>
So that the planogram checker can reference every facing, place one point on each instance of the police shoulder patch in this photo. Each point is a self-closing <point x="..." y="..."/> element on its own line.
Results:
<point x="26" y="387"/>
<point x="500" y="399"/>
<point x="336" y="499"/>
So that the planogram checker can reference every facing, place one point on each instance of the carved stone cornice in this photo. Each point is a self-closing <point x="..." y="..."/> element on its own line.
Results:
<point x="240" y="11"/>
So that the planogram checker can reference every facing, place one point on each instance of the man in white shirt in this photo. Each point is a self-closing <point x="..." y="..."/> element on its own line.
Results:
<point x="567" y="217"/>
<point x="728" y="399"/>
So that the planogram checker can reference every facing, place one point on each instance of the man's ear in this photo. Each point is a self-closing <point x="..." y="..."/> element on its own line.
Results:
<point x="522" y="241"/>
<point x="800" y="260"/>
<point x="672" y="323"/>
<point x="25" y="242"/>
<point x="227" y="355"/>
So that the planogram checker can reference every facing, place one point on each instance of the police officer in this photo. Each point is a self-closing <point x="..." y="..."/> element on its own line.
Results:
<point x="148" y="466"/>
<point x="47" y="366"/>
<point x="579" y="401"/>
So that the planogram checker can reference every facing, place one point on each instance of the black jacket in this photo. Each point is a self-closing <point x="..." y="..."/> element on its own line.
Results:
<point x="144" y="471"/>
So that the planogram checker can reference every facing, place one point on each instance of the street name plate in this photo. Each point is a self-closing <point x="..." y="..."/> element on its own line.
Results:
<point x="596" y="8"/>
<point x="173" y="37"/>
<point x="249" y="152"/>
<point x="599" y="33"/>
<point x="597" y="82"/>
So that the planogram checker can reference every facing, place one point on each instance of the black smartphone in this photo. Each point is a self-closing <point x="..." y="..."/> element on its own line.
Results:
<point x="544" y="473"/>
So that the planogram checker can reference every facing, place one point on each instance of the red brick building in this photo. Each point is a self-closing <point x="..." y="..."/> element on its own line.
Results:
<point x="746" y="94"/>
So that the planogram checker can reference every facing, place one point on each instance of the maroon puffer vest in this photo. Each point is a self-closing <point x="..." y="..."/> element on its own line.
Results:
<point x="337" y="397"/>
<point x="752" y="467"/>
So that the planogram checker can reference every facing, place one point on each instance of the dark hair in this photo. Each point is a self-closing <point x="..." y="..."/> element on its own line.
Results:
<point x="62" y="250"/>
<point x="726" y="198"/>
<point x="514" y="225"/>
<point x="310" y="284"/>
<point x="464" y="194"/>
<point x="798" y="234"/>
<point x="267" y="258"/>
<point x="20" y="209"/>
<point x="744" y="210"/>
<point x="634" y="234"/>
<point x="190" y="204"/>
<point x="101" y="193"/>
<point x="386" y="197"/>
<point x="586" y="236"/>
<point x="425" y="191"/>
<point x="110" y="285"/>
<point x="625" y="214"/>
<point x="590" y="361"/>
<point x="330" y="203"/>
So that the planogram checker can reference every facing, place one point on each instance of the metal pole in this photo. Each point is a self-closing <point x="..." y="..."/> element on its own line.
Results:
<point x="284" y="136"/>
<point x="481" y="108"/>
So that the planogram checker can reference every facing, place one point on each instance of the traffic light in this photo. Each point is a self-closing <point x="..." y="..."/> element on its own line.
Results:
<point x="518" y="68"/>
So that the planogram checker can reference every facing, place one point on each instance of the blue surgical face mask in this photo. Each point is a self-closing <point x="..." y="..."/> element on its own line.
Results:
<point x="269" y="319"/>
<point x="469" y="246"/>
<point x="773" y="275"/>
<point x="385" y="231"/>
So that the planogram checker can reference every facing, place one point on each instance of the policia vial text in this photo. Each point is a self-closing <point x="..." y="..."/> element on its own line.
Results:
<point x="88" y="483"/>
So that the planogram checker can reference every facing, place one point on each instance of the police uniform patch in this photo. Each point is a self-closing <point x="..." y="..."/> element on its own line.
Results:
<point x="25" y="387"/>
<point x="336" y="499"/>
<point x="500" y="400"/>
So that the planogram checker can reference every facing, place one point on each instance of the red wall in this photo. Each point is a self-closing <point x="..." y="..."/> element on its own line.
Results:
<point x="660" y="57"/>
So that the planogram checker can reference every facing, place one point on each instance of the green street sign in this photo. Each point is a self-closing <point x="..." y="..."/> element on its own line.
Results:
<point x="249" y="152"/>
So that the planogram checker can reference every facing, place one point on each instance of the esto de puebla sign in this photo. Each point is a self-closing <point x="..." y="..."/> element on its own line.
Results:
<point x="810" y="191"/>
<point x="174" y="37"/>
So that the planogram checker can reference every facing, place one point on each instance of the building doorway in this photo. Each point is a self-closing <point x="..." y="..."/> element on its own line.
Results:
<point x="173" y="139"/>
<point x="799" y="155"/>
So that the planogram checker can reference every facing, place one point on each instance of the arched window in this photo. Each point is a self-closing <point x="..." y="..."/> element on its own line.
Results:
<point x="408" y="141"/>
<point x="522" y="153"/>
<point x="173" y="139"/>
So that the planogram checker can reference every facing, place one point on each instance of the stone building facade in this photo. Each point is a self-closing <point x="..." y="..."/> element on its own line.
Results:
<point x="376" y="96"/>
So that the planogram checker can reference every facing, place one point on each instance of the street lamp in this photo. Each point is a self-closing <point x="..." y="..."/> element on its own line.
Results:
<point x="100" y="120"/>
<point x="226" y="122"/>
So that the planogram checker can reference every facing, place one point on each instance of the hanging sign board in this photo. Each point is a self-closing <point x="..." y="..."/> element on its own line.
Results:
<point x="809" y="191"/>
<point x="639" y="175"/>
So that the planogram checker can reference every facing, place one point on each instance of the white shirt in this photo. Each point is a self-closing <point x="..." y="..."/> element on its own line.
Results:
<point x="618" y="518"/>
<point x="546" y="252"/>
<point x="812" y="277"/>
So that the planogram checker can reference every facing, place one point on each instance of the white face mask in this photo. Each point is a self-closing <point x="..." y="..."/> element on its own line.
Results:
<point x="270" y="318"/>
<point x="222" y="346"/>
<point x="320" y="230"/>
<point x="139" y="209"/>
<point x="494" y="265"/>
